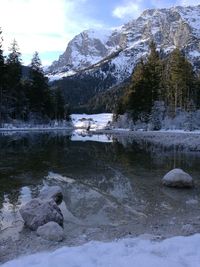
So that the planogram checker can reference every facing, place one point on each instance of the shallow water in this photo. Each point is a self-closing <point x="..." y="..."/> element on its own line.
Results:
<point x="112" y="188"/>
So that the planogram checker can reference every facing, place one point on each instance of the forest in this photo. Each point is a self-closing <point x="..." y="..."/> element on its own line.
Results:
<point x="25" y="94"/>
<point x="162" y="87"/>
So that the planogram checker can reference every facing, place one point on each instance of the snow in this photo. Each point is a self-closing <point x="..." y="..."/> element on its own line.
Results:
<point x="194" y="53"/>
<point x="86" y="53"/>
<point x="60" y="75"/>
<point x="178" y="178"/>
<point x="192" y="16"/>
<point x="95" y="121"/>
<point x="101" y="34"/>
<point x="137" y="252"/>
<point x="17" y="126"/>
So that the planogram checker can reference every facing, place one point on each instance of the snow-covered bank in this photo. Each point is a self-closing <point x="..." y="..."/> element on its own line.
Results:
<point x="18" y="127"/>
<point x="94" y="121"/>
<point x="138" y="252"/>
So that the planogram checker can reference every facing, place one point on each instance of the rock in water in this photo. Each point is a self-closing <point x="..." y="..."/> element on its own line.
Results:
<point x="37" y="213"/>
<point x="52" y="192"/>
<point x="51" y="231"/>
<point x="178" y="178"/>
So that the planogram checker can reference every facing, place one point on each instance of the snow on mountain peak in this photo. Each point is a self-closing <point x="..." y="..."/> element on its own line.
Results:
<point x="122" y="47"/>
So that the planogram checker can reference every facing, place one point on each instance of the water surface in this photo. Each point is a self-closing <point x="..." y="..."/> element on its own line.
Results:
<point x="112" y="188"/>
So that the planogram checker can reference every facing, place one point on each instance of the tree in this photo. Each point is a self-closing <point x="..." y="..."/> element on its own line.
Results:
<point x="2" y="72"/>
<point x="39" y="93"/>
<point x="15" y="93"/>
<point x="179" y="77"/>
<point x="145" y="87"/>
<point x="14" y="63"/>
<point x="58" y="104"/>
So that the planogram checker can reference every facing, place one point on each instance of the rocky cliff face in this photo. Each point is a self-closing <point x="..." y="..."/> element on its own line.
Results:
<point x="115" y="52"/>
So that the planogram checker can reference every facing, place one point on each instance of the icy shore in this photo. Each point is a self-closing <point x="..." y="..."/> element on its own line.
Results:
<point x="143" y="252"/>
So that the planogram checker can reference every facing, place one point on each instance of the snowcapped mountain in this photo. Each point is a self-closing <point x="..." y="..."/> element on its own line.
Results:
<point x="115" y="52"/>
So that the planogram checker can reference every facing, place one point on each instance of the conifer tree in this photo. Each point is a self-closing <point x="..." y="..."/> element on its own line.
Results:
<point x="145" y="87"/>
<point x="59" y="104"/>
<point x="2" y="67"/>
<point x="39" y="92"/>
<point x="13" y="77"/>
<point x="179" y="81"/>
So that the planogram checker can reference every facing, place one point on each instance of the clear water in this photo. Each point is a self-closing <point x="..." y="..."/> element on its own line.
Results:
<point x="111" y="188"/>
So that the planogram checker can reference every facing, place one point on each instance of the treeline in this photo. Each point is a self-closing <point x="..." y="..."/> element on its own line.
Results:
<point x="24" y="91"/>
<point x="161" y="84"/>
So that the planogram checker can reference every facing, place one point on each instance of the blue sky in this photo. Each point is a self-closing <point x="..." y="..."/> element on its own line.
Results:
<point x="47" y="26"/>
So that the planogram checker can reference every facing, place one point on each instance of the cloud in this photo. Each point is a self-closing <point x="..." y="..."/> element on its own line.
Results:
<point x="41" y="25"/>
<point x="133" y="8"/>
<point x="128" y="9"/>
<point x="188" y="2"/>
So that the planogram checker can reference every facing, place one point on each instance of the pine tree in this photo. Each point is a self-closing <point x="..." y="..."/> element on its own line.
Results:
<point x="145" y="87"/>
<point x="14" y="64"/>
<point x="179" y="81"/>
<point x="39" y="93"/>
<point x="15" y="92"/>
<point x="2" y="72"/>
<point x="58" y="104"/>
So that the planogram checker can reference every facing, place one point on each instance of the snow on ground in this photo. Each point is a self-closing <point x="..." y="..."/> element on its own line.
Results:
<point x="19" y="126"/>
<point x="94" y="121"/>
<point x="137" y="252"/>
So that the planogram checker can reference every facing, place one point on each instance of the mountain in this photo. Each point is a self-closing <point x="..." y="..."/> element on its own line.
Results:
<point x="107" y="58"/>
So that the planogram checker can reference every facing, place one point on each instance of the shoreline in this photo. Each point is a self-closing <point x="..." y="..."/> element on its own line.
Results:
<point x="178" y="139"/>
<point x="31" y="129"/>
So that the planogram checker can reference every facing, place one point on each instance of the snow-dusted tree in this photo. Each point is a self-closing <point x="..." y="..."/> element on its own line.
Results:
<point x="157" y="115"/>
<point x="2" y="67"/>
<point x="14" y="66"/>
<point x="36" y="64"/>
<point x="190" y="122"/>
<point x="15" y="94"/>
<point x="39" y="93"/>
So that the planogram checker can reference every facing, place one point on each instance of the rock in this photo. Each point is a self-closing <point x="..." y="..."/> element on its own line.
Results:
<point x="51" y="231"/>
<point x="188" y="229"/>
<point x="38" y="212"/>
<point x="192" y="202"/>
<point x="178" y="178"/>
<point x="52" y="192"/>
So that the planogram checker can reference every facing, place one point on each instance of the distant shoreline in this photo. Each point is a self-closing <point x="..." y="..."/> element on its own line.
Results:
<point x="182" y="140"/>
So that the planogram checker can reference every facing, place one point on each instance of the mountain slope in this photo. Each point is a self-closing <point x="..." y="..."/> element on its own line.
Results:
<point x="108" y="57"/>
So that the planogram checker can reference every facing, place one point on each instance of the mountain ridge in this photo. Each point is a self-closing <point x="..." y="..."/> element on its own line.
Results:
<point x="169" y="28"/>
<point x="88" y="68"/>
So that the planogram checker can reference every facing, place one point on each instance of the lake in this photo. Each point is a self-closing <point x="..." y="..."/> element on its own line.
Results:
<point x="112" y="188"/>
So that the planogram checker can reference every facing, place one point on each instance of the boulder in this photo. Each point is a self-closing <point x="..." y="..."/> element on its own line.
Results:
<point x="178" y="178"/>
<point x="52" y="192"/>
<point x="188" y="229"/>
<point x="51" y="231"/>
<point x="38" y="212"/>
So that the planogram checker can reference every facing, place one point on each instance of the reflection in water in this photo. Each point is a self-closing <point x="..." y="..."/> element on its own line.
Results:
<point x="104" y="184"/>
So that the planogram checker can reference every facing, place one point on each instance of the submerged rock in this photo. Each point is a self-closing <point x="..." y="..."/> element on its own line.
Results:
<point x="52" y="192"/>
<point x="188" y="229"/>
<point x="178" y="178"/>
<point x="37" y="213"/>
<point x="51" y="231"/>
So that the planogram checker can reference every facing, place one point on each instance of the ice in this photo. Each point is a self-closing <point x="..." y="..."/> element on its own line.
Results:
<point x="137" y="252"/>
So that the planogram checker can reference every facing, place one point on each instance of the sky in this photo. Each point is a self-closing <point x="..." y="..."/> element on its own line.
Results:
<point x="47" y="26"/>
